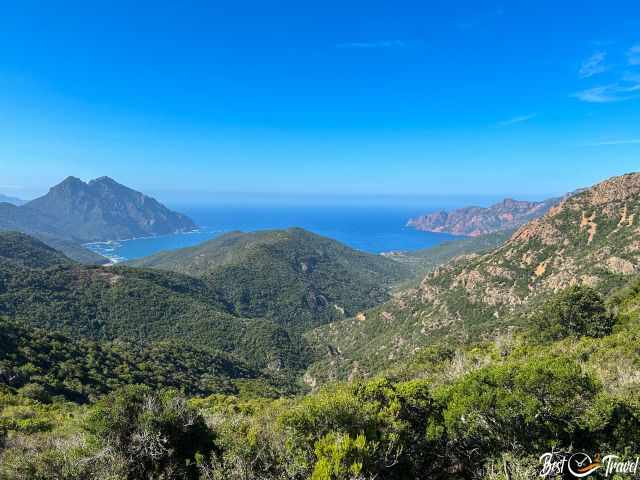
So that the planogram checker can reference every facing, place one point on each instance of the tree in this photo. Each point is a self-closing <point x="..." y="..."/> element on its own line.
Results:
<point x="576" y="311"/>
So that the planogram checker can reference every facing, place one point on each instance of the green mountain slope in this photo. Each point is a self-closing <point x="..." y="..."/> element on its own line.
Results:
<point x="138" y="305"/>
<point x="590" y="238"/>
<point x="426" y="260"/>
<point x="24" y="251"/>
<point x="73" y="250"/>
<point x="294" y="277"/>
<point x="485" y="410"/>
<point x="79" y="369"/>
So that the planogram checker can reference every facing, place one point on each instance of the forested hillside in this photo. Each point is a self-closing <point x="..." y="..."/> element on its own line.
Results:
<point x="293" y="277"/>
<point x="108" y="303"/>
<point x="22" y="250"/>
<point x="572" y="385"/>
<point x="43" y="364"/>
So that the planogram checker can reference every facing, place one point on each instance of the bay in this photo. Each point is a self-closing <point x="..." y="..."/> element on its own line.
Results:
<point x="372" y="228"/>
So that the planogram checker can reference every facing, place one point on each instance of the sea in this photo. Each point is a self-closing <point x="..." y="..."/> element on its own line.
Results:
<point x="370" y="228"/>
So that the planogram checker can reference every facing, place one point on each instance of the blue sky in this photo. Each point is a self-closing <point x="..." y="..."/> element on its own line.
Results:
<point x="350" y="97"/>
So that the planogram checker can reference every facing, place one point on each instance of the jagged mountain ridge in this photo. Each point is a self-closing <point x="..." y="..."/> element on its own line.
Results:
<point x="102" y="209"/>
<point x="592" y="238"/>
<point x="476" y="221"/>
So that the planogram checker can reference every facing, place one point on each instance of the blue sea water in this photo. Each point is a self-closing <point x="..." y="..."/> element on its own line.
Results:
<point x="372" y="229"/>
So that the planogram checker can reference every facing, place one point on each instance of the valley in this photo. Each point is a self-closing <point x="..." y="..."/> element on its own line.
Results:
<point x="319" y="240"/>
<point x="292" y="334"/>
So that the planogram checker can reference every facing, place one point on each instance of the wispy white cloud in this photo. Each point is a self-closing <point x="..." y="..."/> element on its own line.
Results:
<point x="602" y="94"/>
<point x="515" y="120"/>
<point x="377" y="44"/>
<point x="479" y="19"/>
<point x="614" y="92"/>
<point x="593" y="65"/>
<point x="627" y="88"/>
<point x="634" y="55"/>
<point x="631" y="141"/>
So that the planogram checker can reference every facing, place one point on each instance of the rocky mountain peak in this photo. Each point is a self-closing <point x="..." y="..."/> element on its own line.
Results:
<point x="103" y="179"/>
<point x="68" y="184"/>
<point x="103" y="209"/>
<point x="475" y="221"/>
<point x="590" y="237"/>
<point x="615" y="189"/>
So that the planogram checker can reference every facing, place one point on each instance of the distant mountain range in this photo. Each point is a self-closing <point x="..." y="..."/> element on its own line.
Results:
<point x="275" y="299"/>
<point x="475" y="221"/>
<point x="510" y="342"/>
<point x="12" y="200"/>
<point x="74" y="212"/>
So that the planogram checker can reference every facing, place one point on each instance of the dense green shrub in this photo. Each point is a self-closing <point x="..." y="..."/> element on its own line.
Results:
<point x="375" y="429"/>
<point x="519" y="407"/>
<point x="575" y="311"/>
<point x="341" y="457"/>
<point x="153" y="434"/>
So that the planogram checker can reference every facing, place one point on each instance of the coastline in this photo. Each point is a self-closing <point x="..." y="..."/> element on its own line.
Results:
<point x="97" y="246"/>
